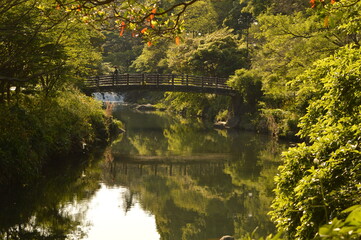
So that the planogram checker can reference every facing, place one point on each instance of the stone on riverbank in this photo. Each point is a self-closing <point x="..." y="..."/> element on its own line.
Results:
<point x="146" y="107"/>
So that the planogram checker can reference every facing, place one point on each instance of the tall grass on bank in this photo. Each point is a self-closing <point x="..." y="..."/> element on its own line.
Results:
<point x="35" y="128"/>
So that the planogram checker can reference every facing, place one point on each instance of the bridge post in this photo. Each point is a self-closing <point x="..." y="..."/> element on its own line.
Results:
<point x="216" y="82"/>
<point x="116" y="78"/>
<point x="158" y="79"/>
<point x="97" y="79"/>
<point x="172" y="79"/>
<point x="143" y="79"/>
<point x="187" y="80"/>
<point x="235" y="111"/>
<point x="202" y="81"/>
<point x="127" y="77"/>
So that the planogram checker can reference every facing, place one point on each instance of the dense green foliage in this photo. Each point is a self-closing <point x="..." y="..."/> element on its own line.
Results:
<point x="121" y="51"/>
<point x="45" y="53"/>
<point x="34" y="129"/>
<point x="322" y="179"/>
<point x="44" y="47"/>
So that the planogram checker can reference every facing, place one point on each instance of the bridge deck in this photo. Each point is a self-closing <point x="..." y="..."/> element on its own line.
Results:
<point x="158" y="82"/>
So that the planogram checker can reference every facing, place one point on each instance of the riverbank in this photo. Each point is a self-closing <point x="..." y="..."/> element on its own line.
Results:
<point x="35" y="128"/>
<point x="220" y="111"/>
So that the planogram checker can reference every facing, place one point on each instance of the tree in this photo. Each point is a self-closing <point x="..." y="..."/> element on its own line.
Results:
<point x="249" y="85"/>
<point x="323" y="178"/>
<point x="45" y="47"/>
<point x="50" y="51"/>
<point x="281" y="48"/>
<point x="231" y="20"/>
<point x="148" y="19"/>
<point x="218" y="54"/>
<point x="200" y="18"/>
<point x="271" y="7"/>
<point x="121" y="51"/>
<point x="152" y="59"/>
<point x="285" y="47"/>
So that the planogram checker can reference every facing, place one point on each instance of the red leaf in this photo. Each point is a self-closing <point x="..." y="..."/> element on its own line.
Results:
<point x="122" y="27"/>
<point x="177" y="40"/>
<point x="313" y="3"/>
<point x="154" y="10"/>
<point x="144" y="30"/>
<point x="121" y="31"/>
<point x="149" y="43"/>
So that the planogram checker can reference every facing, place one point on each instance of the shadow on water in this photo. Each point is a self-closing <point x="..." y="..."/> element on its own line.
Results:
<point x="197" y="182"/>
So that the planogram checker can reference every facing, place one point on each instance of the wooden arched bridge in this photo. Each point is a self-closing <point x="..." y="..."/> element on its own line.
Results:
<point x="158" y="82"/>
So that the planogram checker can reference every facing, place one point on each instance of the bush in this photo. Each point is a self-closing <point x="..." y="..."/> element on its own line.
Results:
<point x="36" y="128"/>
<point x="319" y="180"/>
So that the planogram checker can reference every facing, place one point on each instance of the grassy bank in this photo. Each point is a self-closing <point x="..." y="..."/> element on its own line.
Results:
<point x="35" y="128"/>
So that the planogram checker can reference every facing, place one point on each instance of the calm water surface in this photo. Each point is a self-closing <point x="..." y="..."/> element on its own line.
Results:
<point x="164" y="179"/>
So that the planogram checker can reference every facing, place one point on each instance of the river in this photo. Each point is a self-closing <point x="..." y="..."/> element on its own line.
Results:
<point x="165" y="178"/>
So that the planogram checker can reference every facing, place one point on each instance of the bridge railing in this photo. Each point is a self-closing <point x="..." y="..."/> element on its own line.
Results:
<point x="157" y="80"/>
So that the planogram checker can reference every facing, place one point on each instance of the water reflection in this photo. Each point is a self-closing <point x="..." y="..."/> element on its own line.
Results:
<point x="199" y="183"/>
<point x="165" y="178"/>
<point x="109" y="220"/>
<point x="38" y="210"/>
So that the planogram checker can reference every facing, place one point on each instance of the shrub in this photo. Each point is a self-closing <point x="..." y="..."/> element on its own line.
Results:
<point x="320" y="179"/>
<point x="36" y="128"/>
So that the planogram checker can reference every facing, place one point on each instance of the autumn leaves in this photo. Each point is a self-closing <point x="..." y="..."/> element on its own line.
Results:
<point x="150" y="24"/>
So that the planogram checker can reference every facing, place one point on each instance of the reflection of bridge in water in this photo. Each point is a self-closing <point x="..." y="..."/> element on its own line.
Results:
<point x="158" y="82"/>
<point x="207" y="164"/>
<point x="198" y="158"/>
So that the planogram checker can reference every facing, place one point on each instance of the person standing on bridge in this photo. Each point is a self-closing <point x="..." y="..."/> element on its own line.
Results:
<point x="116" y="72"/>
<point x="115" y="75"/>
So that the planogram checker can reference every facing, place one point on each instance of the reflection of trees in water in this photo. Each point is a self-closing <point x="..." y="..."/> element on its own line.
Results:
<point x="194" y="138"/>
<point x="176" y="139"/>
<point x="180" y="205"/>
<point x="41" y="210"/>
<point x="204" y="199"/>
<point x="256" y="180"/>
<point x="128" y="200"/>
<point x="199" y="183"/>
